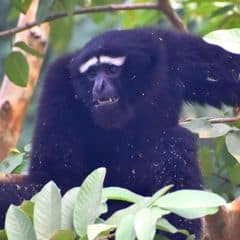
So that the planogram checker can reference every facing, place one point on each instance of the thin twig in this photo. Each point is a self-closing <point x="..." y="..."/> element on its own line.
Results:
<point x="166" y="7"/>
<point x="163" y="5"/>
<point x="105" y="8"/>
<point x="216" y="120"/>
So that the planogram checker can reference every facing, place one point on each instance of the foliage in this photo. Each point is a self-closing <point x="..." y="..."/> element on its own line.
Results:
<point x="16" y="162"/>
<point x="77" y="215"/>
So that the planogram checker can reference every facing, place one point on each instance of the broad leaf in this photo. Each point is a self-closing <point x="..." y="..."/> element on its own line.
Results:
<point x="68" y="202"/>
<point x="117" y="193"/>
<point x="28" y="208"/>
<point x="158" y="194"/>
<point x="164" y="225"/>
<point x="145" y="225"/>
<point x="47" y="211"/>
<point x="22" y="45"/>
<point x="88" y="203"/>
<point x="17" y="69"/>
<point x="201" y="204"/>
<point x="227" y="39"/>
<point x="117" y="217"/>
<point x="125" y="229"/>
<point x="18" y="225"/>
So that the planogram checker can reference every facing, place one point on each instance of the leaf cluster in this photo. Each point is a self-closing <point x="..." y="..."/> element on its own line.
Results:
<point x="77" y="215"/>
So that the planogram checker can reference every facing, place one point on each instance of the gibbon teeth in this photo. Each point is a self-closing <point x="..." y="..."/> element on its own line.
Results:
<point x="105" y="101"/>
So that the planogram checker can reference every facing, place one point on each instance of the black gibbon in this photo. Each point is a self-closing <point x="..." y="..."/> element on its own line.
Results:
<point x="116" y="103"/>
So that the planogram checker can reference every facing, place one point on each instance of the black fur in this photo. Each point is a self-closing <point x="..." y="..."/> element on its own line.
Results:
<point x="140" y="143"/>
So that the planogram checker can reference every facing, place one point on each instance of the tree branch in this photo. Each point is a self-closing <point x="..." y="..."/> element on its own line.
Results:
<point x="166" y="7"/>
<point x="216" y="120"/>
<point x="162" y="5"/>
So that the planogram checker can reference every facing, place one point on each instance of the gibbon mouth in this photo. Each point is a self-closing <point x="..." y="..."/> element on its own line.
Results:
<point x="105" y="101"/>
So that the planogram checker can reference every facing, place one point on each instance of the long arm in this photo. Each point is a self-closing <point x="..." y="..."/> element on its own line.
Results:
<point x="208" y="73"/>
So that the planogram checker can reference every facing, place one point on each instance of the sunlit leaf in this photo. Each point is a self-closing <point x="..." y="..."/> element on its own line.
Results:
<point x="47" y="211"/>
<point x="125" y="229"/>
<point x="117" y="216"/>
<point x="227" y="39"/>
<point x="117" y="193"/>
<point x="18" y="225"/>
<point x="68" y="202"/>
<point x="164" y="225"/>
<point x="88" y="203"/>
<point x="201" y="204"/>
<point x="144" y="225"/>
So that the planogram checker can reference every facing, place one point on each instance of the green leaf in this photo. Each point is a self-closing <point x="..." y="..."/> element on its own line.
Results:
<point x="205" y="161"/>
<point x="205" y="129"/>
<point x="18" y="225"/>
<point x="158" y="194"/>
<point x="227" y="39"/>
<point x="88" y="203"/>
<point x="145" y="224"/>
<point x="3" y="235"/>
<point x="233" y="144"/>
<point x="201" y="204"/>
<point x="22" y="45"/>
<point x="117" y="217"/>
<point x="164" y="225"/>
<point x="61" y="41"/>
<point x="233" y="173"/>
<point x="44" y="9"/>
<point x="125" y="229"/>
<point x="63" y="235"/>
<point x="27" y="207"/>
<point x="68" y="202"/>
<point x="21" y="5"/>
<point x="47" y="211"/>
<point x="11" y="162"/>
<point x="68" y="5"/>
<point x="96" y="230"/>
<point x="117" y="193"/>
<point x="17" y="69"/>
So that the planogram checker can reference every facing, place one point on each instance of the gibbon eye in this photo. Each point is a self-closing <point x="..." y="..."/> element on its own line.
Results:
<point x="112" y="69"/>
<point x="91" y="73"/>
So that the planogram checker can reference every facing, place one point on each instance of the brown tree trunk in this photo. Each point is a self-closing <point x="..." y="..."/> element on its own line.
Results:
<point x="224" y="225"/>
<point x="14" y="100"/>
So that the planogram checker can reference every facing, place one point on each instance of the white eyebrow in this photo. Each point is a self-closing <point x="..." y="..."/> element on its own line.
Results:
<point x="117" y="61"/>
<point x="89" y="63"/>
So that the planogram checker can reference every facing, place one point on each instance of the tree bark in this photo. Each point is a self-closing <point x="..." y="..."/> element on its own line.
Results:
<point x="14" y="100"/>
